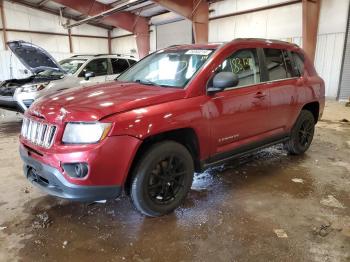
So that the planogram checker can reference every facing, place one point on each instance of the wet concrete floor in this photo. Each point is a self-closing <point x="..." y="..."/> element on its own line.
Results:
<point x="266" y="207"/>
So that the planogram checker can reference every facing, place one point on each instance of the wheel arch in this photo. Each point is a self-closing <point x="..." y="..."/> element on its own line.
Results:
<point x="314" y="108"/>
<point x="185" y="136"/>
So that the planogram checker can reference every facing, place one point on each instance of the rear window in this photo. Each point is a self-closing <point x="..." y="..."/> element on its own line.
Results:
<point x="278" y="64"/>
<point x="119" y="65"/>
<point x="131" y="62"/>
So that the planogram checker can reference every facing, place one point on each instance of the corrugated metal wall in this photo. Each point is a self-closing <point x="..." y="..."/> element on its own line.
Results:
<point x="285" y="23"/>
<point x="175" y="33"/>
<point x="344" y="87"/>
<point x="328" y="59"/>
<point x="24" y="18"/>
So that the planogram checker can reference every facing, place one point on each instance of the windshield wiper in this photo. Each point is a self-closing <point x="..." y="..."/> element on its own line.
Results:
<point x="146" y="82"/>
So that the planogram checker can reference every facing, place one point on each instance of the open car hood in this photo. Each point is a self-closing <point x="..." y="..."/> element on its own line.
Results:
<point x="33" y="57"/>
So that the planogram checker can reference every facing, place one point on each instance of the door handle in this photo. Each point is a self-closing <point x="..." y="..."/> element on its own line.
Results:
<point x="260" y="95"/>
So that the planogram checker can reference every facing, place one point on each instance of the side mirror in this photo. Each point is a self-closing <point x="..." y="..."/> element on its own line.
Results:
<point x="88" y="74"/>
<point x="223" y="80"/>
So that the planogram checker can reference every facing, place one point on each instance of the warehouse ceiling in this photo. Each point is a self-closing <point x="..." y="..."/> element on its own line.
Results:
<point x="142" y="8"/>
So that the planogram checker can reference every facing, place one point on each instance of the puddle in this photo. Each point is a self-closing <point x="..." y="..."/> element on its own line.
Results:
<point x="10" y="128"/>
<point x="229" y="215"/>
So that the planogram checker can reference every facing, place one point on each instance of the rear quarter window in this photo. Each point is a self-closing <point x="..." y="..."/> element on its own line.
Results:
<point x="299" y="63"/>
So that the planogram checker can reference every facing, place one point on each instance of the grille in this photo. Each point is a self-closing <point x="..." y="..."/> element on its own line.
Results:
<point x="37" y="132"/>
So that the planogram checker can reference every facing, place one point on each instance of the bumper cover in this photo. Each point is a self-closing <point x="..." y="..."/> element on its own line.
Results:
<point x="9" y="103"/>
<point x="51" y="181"/>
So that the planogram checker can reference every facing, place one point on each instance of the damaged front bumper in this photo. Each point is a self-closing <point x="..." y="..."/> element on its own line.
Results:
<point x="52" y="181"/>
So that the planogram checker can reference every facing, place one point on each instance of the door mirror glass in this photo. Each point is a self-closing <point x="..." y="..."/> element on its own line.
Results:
<point x="88" y="74"/>
<point x="223" y="80"/>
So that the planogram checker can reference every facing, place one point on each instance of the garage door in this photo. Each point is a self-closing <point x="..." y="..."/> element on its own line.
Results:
<point x="344" y="90"/>
<point x="175" y="33"/>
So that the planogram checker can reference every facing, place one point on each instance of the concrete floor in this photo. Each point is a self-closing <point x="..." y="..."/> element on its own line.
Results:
<point x="268" y="207"/>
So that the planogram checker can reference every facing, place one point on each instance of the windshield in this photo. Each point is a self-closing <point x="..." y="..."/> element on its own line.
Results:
<point x="168" y="68"/>
<point x="70" y="66"/>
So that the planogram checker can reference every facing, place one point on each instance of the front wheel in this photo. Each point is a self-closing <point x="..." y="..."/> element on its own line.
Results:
<point x="162" y="178"/>
<point x="302" y="134"/>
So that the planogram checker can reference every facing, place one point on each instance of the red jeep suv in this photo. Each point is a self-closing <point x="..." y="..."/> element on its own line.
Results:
<point x="178" y="111"/>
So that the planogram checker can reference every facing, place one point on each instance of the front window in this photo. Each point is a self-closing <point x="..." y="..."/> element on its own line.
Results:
<point x="168" y="68"/>
<point x="98" y="66"/>
<point x="243" y="63"/>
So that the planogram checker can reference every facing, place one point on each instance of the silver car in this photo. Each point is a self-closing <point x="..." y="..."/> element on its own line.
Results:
<point x="49" y="76"/>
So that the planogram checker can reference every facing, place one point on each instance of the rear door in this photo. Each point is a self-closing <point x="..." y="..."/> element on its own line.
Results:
<point x="119" y="65"/>
<point x="282" y="85"/>
<point x="99" y="67"/>
<point x="240" y="114"/>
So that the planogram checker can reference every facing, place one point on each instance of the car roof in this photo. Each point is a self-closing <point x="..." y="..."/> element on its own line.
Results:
<point x="194" y="46"/>
<point x="88" y="56"/>
<point x="264" y="41"/>
<point x="235" y="41"/>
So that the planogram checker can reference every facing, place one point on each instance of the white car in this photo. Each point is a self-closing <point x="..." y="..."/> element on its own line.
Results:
<point x="49" y="76"/>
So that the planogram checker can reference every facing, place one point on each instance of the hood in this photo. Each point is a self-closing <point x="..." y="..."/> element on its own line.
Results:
<point x="33" y="57"/>
<point x="95" y="102"/>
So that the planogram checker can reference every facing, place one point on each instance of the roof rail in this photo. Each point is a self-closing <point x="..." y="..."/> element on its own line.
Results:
<point x="267" y="40"/>
<point x="173" y="46"/>
<point x="81" y="55"/>
<point x="102" y="55"/>
<point x="115" y="54"/>
<point x="106" y="54"/>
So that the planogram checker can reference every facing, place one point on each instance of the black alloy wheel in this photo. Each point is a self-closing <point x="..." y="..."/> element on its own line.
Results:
<point x="302" y="134"/>
<point x="167" y="179"/>
<point x="306" y="133"/>
<point x="162" y="178"/>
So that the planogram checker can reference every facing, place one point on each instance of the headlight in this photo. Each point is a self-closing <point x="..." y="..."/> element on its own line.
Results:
<point x="85" y="133"/>
<point x="34" y="88"/>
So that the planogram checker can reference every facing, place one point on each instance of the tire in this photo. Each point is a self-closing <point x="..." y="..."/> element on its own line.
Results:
<point x="302" y="134"/>
<point x="157" y="187"/>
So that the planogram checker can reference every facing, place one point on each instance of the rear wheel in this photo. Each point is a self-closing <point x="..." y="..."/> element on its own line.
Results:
<point x="302" y="133"/>
<point x="162" y="178"/>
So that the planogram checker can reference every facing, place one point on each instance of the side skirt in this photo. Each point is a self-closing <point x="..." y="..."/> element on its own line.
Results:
<point x="242" y="151"/>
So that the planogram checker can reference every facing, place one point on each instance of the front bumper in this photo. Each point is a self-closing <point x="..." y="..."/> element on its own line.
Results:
<point x="52" y="181"/>
<point x="9" y="103"/>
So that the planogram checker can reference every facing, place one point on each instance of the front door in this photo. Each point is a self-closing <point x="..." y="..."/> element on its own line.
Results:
<point x="240" y="114"/>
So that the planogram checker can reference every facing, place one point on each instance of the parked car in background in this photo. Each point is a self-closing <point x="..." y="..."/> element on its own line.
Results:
<point x="48" y="75"/>
<point x="178" y="111"/>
